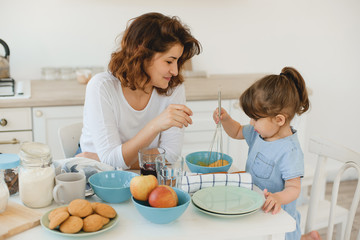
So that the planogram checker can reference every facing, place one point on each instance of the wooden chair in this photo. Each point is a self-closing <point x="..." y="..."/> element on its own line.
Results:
<point x="69" y="138"/>
<point x="321" y="213"/>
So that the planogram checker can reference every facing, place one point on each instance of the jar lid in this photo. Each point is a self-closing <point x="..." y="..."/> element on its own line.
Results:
<point x="34" y="152"/>
<point x="9" y="160"/>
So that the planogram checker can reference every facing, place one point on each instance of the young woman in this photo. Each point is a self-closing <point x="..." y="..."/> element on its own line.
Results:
<point x="139" y="101"/>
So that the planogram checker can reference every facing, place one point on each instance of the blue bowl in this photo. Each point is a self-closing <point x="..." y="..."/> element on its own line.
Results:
<point x="163" y="215"/>
<point x="112" y="186"/>
<point x="194" y="159"/>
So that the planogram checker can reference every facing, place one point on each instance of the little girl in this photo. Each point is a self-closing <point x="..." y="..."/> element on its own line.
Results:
<point x="275" y="159"/>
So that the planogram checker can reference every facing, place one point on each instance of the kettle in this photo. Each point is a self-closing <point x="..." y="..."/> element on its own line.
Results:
<point x="4" y="61"/>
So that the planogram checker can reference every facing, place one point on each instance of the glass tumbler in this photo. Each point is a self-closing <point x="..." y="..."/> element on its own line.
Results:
<point x="170" y="172"/>
<point x="147" y="159"/>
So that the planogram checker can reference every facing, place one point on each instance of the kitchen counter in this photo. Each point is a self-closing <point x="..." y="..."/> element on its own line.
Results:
<point x="46" y="93"/>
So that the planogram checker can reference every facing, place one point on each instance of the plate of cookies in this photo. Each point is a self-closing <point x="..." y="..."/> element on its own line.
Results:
<point x="80" y="218"/>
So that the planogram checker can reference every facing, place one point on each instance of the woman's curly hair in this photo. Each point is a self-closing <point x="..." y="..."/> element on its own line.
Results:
<point x="144" y="36"/>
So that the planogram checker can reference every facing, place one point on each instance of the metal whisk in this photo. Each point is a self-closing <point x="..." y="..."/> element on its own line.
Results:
<point x="217" y="139"/>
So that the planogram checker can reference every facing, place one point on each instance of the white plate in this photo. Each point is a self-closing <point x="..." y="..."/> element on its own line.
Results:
<point x="45" y="224"/>
<point x="228" y="200"/>
<point x="223" y="215"/>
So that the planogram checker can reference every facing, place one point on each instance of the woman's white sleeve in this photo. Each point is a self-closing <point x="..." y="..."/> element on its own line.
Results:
<point x="102" y="124"/>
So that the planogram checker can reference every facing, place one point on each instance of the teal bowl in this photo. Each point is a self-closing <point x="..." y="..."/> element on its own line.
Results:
<point x="112" y="186"/>
<point x="163" y="215"/>
<point x="193" y="161"/>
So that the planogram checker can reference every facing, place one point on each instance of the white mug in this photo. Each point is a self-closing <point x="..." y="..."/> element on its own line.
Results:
<point x="69" y="186"/>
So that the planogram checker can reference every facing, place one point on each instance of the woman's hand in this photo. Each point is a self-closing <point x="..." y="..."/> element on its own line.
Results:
<point x="272" y="202"/>
<point x="223" y="116"/>
<point x="175" y="115"/>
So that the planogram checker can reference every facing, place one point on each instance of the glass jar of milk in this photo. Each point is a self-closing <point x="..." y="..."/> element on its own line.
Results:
<point x="36" y="175"/>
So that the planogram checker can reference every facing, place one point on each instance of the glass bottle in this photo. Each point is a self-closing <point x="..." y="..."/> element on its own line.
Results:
<point x="9" y="162"/>
<point x="4" y="192"/>
<point x="36" y="175"/>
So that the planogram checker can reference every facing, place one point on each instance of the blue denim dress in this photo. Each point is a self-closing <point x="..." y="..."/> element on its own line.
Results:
<point x="272" y="163"/>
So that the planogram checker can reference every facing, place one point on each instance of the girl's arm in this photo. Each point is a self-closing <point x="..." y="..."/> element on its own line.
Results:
<point x="290" y="193"/>
<point x="231" y="127"/>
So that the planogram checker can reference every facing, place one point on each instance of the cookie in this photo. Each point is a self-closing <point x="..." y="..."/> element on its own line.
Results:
<point x="80" y="208"/>
<point x="93" y="223"/>
<point x="106" y="220"/>
<point x="58" y="218"/>
<point x="72" y="225"/>
<point x="57" y="210"/>
<point x="105" y="210"/>
<point x="93" y="205"/>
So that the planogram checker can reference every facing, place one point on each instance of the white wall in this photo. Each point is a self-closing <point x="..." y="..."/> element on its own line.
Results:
<point x="320" y="38"/>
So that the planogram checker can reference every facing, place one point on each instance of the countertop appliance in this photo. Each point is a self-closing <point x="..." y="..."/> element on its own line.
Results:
<point x="7" y="84"/>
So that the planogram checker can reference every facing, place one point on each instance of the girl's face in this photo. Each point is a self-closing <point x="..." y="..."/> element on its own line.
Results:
<point x="268" y="128"/>
<point x="163" y="66"/>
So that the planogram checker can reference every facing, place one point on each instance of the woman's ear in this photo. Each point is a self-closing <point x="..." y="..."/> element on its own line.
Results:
<point x="280" y="119"/>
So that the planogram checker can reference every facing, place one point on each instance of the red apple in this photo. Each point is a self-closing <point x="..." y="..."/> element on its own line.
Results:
<point x="141" y="186"/>
<point x="163" y="197"/>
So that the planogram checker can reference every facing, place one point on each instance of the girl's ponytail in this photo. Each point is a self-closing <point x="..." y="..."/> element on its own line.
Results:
<point x="293" y="75"/>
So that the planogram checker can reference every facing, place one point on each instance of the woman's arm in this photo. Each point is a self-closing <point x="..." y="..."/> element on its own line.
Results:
<point x="175" y="115"/>
<point x="100" y="117"/>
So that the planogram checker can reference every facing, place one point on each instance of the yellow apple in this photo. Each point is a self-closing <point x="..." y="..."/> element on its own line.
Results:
<point x="141" y="186"/>
<point x="163" y="196"/>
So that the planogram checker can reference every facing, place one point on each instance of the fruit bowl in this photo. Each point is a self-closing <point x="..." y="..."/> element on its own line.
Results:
<point x="195" y="161"/>
<point x="112" y="186"/>
<point x="163" y="215"/>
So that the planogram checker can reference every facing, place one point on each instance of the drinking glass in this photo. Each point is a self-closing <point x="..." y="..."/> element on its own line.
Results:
<point x="170" y="172"/>
<point x="147" y="159"/>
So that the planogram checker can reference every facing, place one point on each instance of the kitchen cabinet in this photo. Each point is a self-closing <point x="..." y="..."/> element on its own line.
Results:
<point x="48" y="120"/>
<point x="15" y="128"/>
<point x="238" y="149"/>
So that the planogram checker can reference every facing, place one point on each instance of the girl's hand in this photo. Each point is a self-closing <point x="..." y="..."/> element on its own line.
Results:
<point x="175" y="115"/>
<point x="272" y="202"/>
<point x="224" y="115"/>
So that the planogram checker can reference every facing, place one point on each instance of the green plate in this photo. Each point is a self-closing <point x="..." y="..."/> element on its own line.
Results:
<point x="223" y="215"/>
<point x="228" y="200"/>
<point x="45" y="224"/>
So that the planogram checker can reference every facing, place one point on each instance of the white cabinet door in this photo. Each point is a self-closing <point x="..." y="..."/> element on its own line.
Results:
<point x="199" y="135"/>
<point x="10" y="141"/>
<point x="16" y="128"/>
<point x="238" y="149"/>
<point x="48" y="120"/>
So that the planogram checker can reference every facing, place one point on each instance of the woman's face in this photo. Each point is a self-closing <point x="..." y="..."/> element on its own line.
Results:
<point x="163" y="66"/>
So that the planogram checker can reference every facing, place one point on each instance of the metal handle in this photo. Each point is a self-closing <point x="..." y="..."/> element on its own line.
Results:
<point x="219" y="103"/>
<point x="3" y="122"/>
<point x="13" y="141"/>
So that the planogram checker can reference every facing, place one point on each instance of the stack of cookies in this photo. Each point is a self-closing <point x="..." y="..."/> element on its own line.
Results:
<point x="79" y="215"/>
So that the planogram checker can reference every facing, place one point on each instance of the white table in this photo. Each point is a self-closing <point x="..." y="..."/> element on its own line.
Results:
<point x="193" y="224"/>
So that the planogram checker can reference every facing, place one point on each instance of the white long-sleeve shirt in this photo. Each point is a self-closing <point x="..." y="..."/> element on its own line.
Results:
<point x="109" y="120"/>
